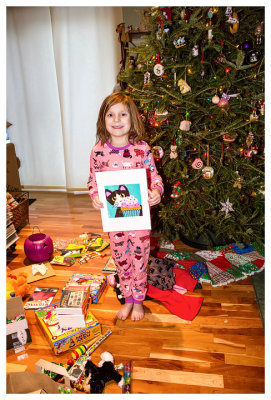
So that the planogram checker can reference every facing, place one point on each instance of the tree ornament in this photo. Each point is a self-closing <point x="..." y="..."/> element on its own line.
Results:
<point x="227" y="207"/>
<point x="223" y="102"/>
<point x="152" y="119"/>
<point x="184" y="87"/>
<point x="247" y="45"/>
<point x="234" y="20"/>
<point x="197" y="163"/>
<point x="248" y="153"/>
<point x="258" y="33"/>
<point x="161" y="115"/>
<point x="159" y="33"/>
<point x="147" y="78"/>
<point x="249" y="139"/>
<point x="158" y="69"/>
<point x="166" y="12"/>
<point x="228" y="138"/>
<point x="215" y="99"/>
<point x="185" y="14"/>
<point x="185" y="125"/>
<point x="253" y="57"/>
<point x="195" y="50"/>
<point x="254" y="116"/>
<point x="228" y="11"/>
<point x="210" y="35"/>
<point x="173" y="152"/>
<point x="239" y="181"/>
<point x="262" y="107"/>
<point x="208" y="171"/>
<point x="180" y="42"/>
<point x="157" y="152"/>
<point x="177" y="191"/>
<point x="210" y="13"/>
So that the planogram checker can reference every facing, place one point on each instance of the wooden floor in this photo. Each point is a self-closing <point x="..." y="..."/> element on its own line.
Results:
<point x="220" y="351"/>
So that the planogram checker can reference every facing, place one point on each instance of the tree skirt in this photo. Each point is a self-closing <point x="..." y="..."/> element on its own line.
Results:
<point x="221" y="265"/>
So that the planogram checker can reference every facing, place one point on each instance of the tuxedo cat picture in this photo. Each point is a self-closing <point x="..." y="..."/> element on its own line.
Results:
<point x="123" y="200"/>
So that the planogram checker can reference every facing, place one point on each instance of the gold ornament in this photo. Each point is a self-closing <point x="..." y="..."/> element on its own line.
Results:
<point x="235" y="26"/>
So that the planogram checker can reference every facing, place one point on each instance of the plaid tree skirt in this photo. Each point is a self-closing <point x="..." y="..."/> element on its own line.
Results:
<point x="221" y="265"/>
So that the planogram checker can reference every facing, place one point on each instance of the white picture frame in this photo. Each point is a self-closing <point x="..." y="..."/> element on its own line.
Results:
<point x="128" y="190"/>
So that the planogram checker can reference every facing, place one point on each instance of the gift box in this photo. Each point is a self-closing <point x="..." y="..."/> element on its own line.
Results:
<point x="64" y="339"/>
<point x="17" y="330"/>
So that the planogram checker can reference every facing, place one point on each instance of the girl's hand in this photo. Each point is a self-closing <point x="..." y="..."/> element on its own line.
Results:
<point x="97" y="204"/>
<point x="154" y="197"/>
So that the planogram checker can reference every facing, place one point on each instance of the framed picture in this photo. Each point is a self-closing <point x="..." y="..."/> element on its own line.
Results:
<point x="124" y="195"/>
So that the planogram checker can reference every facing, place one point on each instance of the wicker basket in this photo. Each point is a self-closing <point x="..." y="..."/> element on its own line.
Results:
<point x="20" y="213"/>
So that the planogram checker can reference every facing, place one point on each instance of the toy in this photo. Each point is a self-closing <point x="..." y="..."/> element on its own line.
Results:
<point x="100" y="375"/>
<point x="89" y="347"/>
<point x="127" y="378"/>
<point x="113" y="280"/>
<point x="16" y="285"/>
<point x="38" y="247"/>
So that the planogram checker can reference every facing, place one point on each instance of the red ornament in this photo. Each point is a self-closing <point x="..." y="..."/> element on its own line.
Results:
<point x="187" y="14"/>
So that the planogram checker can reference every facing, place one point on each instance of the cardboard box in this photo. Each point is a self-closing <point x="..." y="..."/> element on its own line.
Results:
<point x="17" y="332"/>
<point x="61" y="339"/>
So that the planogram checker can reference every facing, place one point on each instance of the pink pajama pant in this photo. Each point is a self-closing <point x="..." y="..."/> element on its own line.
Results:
<point x="130" y="252"/>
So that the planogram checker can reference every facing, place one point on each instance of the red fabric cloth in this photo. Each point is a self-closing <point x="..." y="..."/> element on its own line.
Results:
<point x="185" y="307"/>
<point x="184" y="279"/>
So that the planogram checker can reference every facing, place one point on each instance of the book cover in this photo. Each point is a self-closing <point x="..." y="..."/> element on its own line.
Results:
<point x="110" y="266"/>
<point x="95" y="282"/>
<point x="73" y="301"/>
<point x="41" y="297"/>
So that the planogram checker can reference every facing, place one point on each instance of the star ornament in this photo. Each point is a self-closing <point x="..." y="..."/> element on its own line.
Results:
<point x="226" y="206"/>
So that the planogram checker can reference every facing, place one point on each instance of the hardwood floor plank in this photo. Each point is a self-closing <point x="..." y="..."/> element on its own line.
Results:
<point x="169" y="376"/>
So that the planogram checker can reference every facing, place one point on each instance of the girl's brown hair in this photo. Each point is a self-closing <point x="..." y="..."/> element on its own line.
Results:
<point x="137" y="128"/>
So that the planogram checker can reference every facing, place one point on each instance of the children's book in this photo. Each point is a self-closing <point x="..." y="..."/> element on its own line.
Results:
<point x="110" y="266"/>
<point x="95" y="282"/>
<point x="73" y="302"/>
<point x="41" y="297"/>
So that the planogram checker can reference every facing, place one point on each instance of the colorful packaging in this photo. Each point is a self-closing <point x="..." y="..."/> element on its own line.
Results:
<point x="63" y="339"/>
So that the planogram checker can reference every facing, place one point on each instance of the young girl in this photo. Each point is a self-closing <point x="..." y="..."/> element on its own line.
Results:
<point x="120" y="146"/>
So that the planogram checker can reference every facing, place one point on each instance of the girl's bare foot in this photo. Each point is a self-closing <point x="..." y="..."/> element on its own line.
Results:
<point x="138" y="312"/>
<point x="124" y="311"/>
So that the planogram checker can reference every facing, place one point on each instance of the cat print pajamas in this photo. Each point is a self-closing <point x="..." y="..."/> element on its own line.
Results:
<point x="130" y="250"/>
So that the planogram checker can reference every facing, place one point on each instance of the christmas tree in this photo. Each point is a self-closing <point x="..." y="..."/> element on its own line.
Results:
<point x="198" y="81"/>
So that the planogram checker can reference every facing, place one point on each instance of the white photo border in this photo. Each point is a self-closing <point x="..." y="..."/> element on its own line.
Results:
<point x="122" y="177"/>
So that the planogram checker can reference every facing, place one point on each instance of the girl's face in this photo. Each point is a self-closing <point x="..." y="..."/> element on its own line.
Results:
<point x="118" y="124"/>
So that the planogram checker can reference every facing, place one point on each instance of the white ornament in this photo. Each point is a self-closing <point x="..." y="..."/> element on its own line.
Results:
<point x="210" y="35"/>
<point x="185" y="125"/>
<point x="215" y="99"/>
<point x="195" y="51"/>
<point x="226" y="206"/>
<point x="158" y="69"/>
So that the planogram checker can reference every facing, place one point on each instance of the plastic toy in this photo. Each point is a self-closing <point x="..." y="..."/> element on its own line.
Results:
<point x="127" y="378"/>
<point x="38" y="247"/>
<point x="100" y="375"/>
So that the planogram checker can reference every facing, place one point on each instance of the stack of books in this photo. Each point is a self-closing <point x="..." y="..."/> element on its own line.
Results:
<point x="95" y="282"/>
<point x="77" y="294"/>
<point x="73" y="306"/>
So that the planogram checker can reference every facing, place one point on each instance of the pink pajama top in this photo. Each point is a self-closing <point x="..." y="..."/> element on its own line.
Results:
<point x="131" y="156"/>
